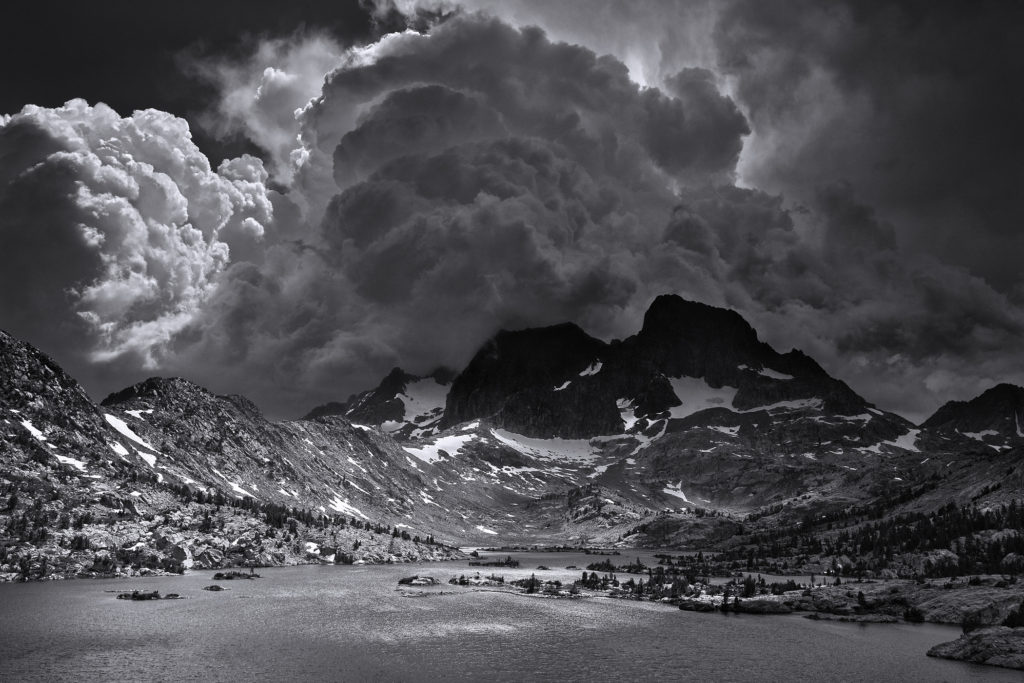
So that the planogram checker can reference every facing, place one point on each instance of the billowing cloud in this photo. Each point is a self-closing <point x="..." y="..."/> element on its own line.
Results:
<point x="113" y="230"/>
<point x="435" y="186"/>
<point x="260" y="94"/>
<point x="904" y="329"/>
<point x="473" y="189"/>
<point x="907" y="102"/>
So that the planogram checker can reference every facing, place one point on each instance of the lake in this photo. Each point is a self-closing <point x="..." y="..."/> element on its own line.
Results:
<point x="350" y="623"/>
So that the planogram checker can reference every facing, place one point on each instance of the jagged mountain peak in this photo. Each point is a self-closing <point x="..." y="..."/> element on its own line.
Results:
<point x="162" y="388"/>
<point x="995" y="417"/>
<point x="403" y="404"/>
<point x="672" y="314"/>
<point x="536" y="352"/>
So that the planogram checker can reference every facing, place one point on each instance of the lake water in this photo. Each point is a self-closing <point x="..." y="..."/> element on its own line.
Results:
<point x="350" y="623"/>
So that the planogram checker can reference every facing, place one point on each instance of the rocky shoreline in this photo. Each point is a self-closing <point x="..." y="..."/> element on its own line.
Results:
<point x="997" y="646"/>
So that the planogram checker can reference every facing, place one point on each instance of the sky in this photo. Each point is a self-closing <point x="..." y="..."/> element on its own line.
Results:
<point x="285" y="201"/>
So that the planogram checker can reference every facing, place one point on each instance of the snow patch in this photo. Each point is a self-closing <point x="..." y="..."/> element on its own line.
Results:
<point x="423" y="400"/>
<point x="730" y="431"/>
<point x="137" y="414"/>
<point x="798" y="404"/>
<point x="486" y="530"/>
<point x="677" y="491"/>
<point x="431" y="452"/>
<point x="774" y="374"/>
<point x="118" y="448"/>
<point x="339" y="505"/>
<point x="980" y="436"/>
<point x="627" y="412"/>
<point x="77" y="464"/>
<point x="32" y="430"/>
<point x="126" y="431"/>
<point x="594" y="368"/>
<point x="908" y="441"/>
<point x="697" y="395"/>
<point x="235" y="487"/>
<point x="563" y="385"/>
<point x="579" y="450"/>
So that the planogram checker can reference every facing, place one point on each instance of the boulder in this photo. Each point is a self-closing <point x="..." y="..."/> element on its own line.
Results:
<point x="209" y="558"/>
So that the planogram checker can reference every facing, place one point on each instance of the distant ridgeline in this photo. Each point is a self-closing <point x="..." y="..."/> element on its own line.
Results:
<point x="691" y="433"/>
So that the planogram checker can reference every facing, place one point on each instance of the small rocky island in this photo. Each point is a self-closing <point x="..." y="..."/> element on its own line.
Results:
<point x="148" y="595"/>
<point x="234" y="574"/>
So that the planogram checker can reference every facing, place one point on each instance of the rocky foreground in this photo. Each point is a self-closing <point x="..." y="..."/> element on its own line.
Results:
<point x="996" y="646"/>
<point x="159" y="534"/>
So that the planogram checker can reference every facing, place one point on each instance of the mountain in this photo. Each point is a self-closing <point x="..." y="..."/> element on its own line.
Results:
<point x="167" y="476"/>
<point x="994" y="418"/>
<point x="693" y="410"/>
<point x="682" y="435"/>
<point x="687" y="358"/>
<point x="693" y="422"/>
<point x="402" y="404"/>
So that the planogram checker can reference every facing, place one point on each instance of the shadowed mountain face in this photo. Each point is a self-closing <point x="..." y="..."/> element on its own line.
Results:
<point x="995" y="418"/>
<point x="523" y="381"/>
<point x="560" y="382"/>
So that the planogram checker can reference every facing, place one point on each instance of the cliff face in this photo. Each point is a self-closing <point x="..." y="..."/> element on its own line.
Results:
<point x="560" y="382"/>
<point x="994" y="418"/>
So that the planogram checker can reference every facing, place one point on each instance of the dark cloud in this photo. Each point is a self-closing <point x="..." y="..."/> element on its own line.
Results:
<point x="434" y="186"/>
<point x="912" y="103"/>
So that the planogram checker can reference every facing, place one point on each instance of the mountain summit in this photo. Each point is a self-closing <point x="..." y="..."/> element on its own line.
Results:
<point x="995" y="417"/>
<point x="560" y="382"/>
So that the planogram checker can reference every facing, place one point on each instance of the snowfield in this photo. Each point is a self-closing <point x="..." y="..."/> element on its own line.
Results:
<point x="696" y="395"/>
<point x="431" y="452"/>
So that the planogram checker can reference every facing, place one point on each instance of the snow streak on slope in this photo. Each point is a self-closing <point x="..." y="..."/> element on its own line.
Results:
<point x="126" y="431"/>
<point x="579" y="450"/>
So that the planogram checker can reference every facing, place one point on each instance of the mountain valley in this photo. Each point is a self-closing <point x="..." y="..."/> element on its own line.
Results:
<point x="692" y="434"/>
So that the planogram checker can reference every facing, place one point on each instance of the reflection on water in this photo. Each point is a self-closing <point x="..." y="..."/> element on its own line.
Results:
<point x="350" y="623"/>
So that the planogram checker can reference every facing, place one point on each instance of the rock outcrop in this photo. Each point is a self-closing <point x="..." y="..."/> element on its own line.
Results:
<point x="995" y="646"/>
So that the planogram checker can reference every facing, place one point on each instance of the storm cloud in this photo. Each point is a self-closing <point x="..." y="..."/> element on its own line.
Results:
<point x="423" y="190"/>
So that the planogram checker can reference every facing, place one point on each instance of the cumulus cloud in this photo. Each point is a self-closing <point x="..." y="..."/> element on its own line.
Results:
<point x="438" y="185"/>
<point x="114" y="230"/>
<point x="259" y="94"/>
<point x="516" y="185"/>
